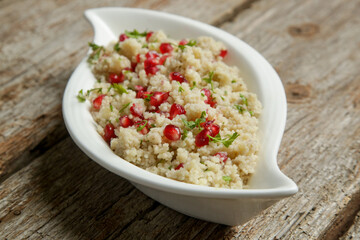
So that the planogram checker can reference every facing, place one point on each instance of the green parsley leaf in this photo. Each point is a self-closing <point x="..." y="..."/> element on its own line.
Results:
<point x="227" y="178"/>
<point x="202" y="94"/>
<point x="116" y="47"/>
<point x="93" y="46"/>
<point x="191" y="43"/>
<point x="99" y="90"/>
<point x="184" y="135"/>
<point x="119" y="88"/>
<point x="222" y="98"/>
<point x="81" y="96"/>
<point x="233" y="81"/>
<point x="111" y="107"/>
<point x="196" y="123"/>
<point x="135" y="34"/>
<point x="181" y="89"/>
<point x="170" y="167"/>
<point x="251" y="113"/>
<point x="244" y="99"/>
<point x="225" y="93"/>
<point x="148" y="96"/>
<point x="240" y="108"/>
<point x="226" y="142"/>
<point x="209" y="80"/>
<point x="124" y="107"/>
<point x="152" y="125"/>
<point x="141" y="127"/>
<point x="193" y="86"/>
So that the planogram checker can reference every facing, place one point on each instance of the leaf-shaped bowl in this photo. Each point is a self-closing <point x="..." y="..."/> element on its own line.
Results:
<point x="226" y="206"/>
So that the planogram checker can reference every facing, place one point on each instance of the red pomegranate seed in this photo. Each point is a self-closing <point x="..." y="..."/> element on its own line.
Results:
<point x="138" y="59"/>
<point x="125" y="121"/>
<point x="172" y="132"/>
<point x="116" y="78"/>
<point x="123" y="37"/>
<point x="151" y="54"/>
<point x="148" y="36"/>
<point x="222" y="155"/>
<point x="151" y="70"/>
<point x="163" y="59"/>
<point x="176" y="109"/>
<point x="183" y="42"/>
<point x="150" y="66"/>
<point x="176" y="76"/>
<point x="158" y="98"/>
<point x="97" y="102"/>
<point x="140" y="88"/>
<point x="214" y="128"/>
<point x="202" y="139"/>
<point x="209" y="99"/>
<point x="223" y="53"/>
<point x="109" y="132"/>
<point x="140" y="124"/>
<point x="136" y="110"/>
<point x="165" y="48"/>
<point x="181" y="165"/>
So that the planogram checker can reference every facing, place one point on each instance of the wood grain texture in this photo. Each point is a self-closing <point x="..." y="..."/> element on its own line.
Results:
<point x="51" y="190"/>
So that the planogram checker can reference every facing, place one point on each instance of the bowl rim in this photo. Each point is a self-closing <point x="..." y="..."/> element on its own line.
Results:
<point x="71" y="110"/>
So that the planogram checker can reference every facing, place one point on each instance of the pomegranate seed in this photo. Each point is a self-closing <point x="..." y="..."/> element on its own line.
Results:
<point x="97" y="102"/>
<point x="148" y="36"/>
<point x="223" y="53"/>
<point x="202" y="139"/>
<point x="109" y="132"/>
<point x="151" y="70"/>
<point x="125" y="121"/>
<point x="151" y="54"/>
<point x="165" y="48"/>
<point x="123" y="37"/>
<point x="140" y="88"/>
<point x="158" y="98"/>
<point x="209" y="99"/>
<point x="136" y="110"/>
<point x="116" y="78"/>
<point x="214" y="128"/>
<point x="163" y="59"/>
<point x="176" y="109"/>
<point x="144" y="129"/>
<point x="181" y="165"/>
<point x="176" y="76"/>
<point x="150" y="66"/>
<point x="222" y="155"/>
<point x="138" y="59"/>
<point x="142" y="94"/>
<point x="183" y="42"/>
<point x="133" y="66"/>
<point x="172" y="132"/>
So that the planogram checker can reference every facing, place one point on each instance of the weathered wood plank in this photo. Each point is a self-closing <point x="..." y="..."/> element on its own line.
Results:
<point x="40" y="48"/>
<point x="354" y="230"/>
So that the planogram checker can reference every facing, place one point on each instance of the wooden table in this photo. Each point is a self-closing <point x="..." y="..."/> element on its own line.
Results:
<point x="49" y="189"/>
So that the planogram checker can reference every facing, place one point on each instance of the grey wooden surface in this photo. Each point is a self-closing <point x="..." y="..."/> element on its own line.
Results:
<point x="49" y="189"/>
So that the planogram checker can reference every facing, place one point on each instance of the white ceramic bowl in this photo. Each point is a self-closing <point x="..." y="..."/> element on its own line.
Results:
<point x="226" y="206"/>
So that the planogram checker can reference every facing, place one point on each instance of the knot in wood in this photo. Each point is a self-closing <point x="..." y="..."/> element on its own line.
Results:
<point x="304" y="30"/>
<point x="297" y="92"/>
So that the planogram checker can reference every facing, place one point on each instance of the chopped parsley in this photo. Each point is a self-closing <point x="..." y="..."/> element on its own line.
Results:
<point x="81" y="96"/>
<point x="181" y="89"/>
<point x="184" y="135"/>
<point x="170" y="167"/>
<point x="193" y="86"/>
<point x="148" y="96"/>
<point x="226" y="141"/>
<point x="111" y="107"/>
<point x="99" y="90"/>
<point x="202" y="94"/>
<point x="191" y="43"/>
<point x="196" y="123"/>
<point x="222" y="98"/>
<point x="124" y="107"/>
<point x="94" y="56"/>
<point x="141" y="127"/>
<point x="244" y="99"/>
<point x="225" y="93"/>
<point x="116" y="47"/>
<point x="119" y="88"/>
<point x="227" y="178"/>
<point x="240" y="108"/>
<point x="233" y="81"/>
<point x="209" y="80"/>
<point x="152" y="125"/>
<point x="135" y="34"/>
